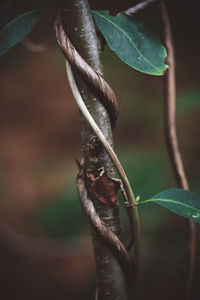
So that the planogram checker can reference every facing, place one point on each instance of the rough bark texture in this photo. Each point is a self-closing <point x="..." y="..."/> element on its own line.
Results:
<point x="80" y="28"/>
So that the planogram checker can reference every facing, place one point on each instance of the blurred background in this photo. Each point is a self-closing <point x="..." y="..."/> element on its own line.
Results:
<point x="45" y="247"/>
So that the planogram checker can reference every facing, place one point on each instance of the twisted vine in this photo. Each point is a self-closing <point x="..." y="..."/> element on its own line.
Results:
<point x="93" y="78"/>
<point x="101" y="228"/>
<point x="109" y="100"/>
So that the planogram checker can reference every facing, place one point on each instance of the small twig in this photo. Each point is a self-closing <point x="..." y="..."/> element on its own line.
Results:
<point x="34" y="47"/>
<point x="172" y="141"/>
<point x="138" y="7"/>
<point x="132" y="210"/>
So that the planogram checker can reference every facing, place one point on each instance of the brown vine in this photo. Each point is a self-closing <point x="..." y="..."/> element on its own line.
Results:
<point x="114" y="244"/>
<point x="93" y="78"/>
<point x="172" y="143"/>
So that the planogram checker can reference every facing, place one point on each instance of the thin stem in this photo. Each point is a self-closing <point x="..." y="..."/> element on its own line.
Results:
<point x="138" y="7"/>
<point x="172" y="142"/>
<point x="34" y="47"/>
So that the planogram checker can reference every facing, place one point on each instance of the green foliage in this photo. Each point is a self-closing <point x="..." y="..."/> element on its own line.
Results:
<point x="61" y="216"/>
<point x="179" y="201"/>
<point x="188" y="101"/>
<point x="143" y="163"/>
<point x="15" y="26"/>
<point x="132" y="42"/>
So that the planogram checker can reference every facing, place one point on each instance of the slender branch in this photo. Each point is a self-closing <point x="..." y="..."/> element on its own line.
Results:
<point x="172" y="142"/>
<point x="34" y="47"/>
<point x="170" y="106"/>
<point x="138" y="7"/>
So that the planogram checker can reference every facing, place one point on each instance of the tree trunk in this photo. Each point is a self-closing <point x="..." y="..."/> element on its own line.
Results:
<point x="79" y="26"/>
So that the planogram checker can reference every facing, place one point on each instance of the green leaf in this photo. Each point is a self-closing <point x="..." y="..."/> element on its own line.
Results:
<point x="179" y="201"/>
<point x="132" y="42"/>
<point x="15" y="27"/>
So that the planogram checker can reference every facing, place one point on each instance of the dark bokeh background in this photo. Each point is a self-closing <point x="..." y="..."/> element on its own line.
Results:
<point x="45" y="247"/>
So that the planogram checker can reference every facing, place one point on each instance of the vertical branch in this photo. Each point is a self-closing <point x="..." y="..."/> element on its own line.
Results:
<point x="111" y="280"/>
<point x="172" y="142"/>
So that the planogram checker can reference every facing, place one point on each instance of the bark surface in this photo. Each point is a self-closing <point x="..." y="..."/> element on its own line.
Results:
<point x="80" y="29"/>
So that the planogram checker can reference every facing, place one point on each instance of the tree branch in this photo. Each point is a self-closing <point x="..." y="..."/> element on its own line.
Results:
<point x="34" y="47"/>
<point x="79" y="27"/>
<point x="139" y="7"/>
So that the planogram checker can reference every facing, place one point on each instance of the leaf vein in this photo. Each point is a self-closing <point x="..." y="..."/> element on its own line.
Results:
<point x="21" y="16"/>
<point x="157" y="69"/>
<point x="167" y="200"/>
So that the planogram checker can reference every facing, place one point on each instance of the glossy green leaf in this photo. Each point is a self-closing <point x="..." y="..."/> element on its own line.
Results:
<point x="132" y="42"/>
<point x="15" y="27"/>
<point x="181" y="202"/>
